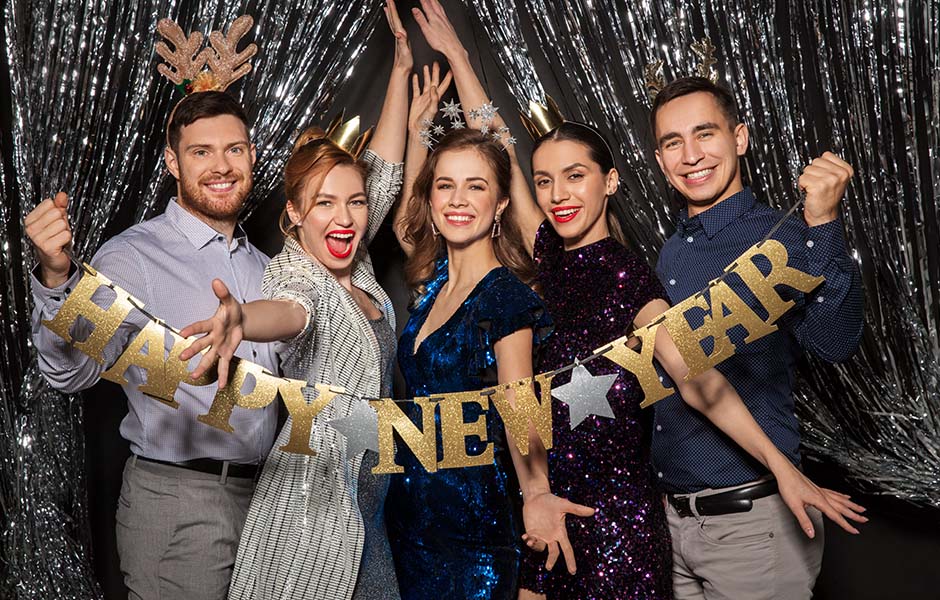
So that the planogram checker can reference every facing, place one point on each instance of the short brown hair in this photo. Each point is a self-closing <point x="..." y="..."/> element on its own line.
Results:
<point x="313" y="156"/>
<point x="684" y="86"/>
<point x="201" y="105"/>
<point x="428" y="248"/>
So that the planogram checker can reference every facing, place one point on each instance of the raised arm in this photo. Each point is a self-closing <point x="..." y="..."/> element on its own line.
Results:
<point x="389" y="138"/>
<point x="441" y="36"/>
<point x="423" y="108"/>
<point x="713" y="396"/>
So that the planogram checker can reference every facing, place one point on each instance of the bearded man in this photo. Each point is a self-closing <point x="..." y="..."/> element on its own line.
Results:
<point x="187" y="486"/>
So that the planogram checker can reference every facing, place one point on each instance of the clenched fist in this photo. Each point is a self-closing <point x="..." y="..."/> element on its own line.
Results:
<point x="824" y="181"/>
<point x="48" y="229"/>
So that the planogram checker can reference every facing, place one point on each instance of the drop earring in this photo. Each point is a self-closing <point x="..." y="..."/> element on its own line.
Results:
<point x="497" y="229"/>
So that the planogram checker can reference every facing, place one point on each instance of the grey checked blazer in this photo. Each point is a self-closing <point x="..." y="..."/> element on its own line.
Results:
<point x="304" y="534"/>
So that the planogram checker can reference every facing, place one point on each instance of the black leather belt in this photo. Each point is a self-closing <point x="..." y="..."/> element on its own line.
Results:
<point x="724" y="503"/>
<point x="210" y="465"/>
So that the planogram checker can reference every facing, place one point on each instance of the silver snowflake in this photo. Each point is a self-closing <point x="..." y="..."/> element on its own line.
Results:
<point x="452" y="110"/>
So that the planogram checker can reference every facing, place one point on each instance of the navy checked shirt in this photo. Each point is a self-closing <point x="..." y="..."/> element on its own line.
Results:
<point x="691" y="454"/>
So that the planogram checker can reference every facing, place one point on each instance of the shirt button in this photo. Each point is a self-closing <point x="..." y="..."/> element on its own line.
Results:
<point x="672" y="282"/>
<point x="810" y="243"/>
<point x="689" y="239"/>
<point x="820" y="299"/>
<point x="660" y="474"/>
<point x="254" y="353"/>
<point x="659" y="428"/>
<point x="68" y="290"/>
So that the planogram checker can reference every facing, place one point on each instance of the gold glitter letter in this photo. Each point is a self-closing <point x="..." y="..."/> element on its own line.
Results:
<point x="153" y="337"/>
<point x="263" y="393"/>
<point x="454" y="431"/>
<point x="105" y="321"/>
<point x="302" y="414"/>
<point x="422" y="443"/>
<point x="527" y="408"/>
<point x="763" y="286"/>
<point x="641" y="364"/>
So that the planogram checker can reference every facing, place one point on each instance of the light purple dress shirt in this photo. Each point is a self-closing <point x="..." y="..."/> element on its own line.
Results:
<point x="168" y="263"/>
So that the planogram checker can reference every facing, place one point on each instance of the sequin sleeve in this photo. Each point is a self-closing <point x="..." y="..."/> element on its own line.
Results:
<point x="549" y="247"/>
<point x="285" y="278"/>
<point x="505" y="307"/>
<point x="643" y="286"/>
<point x="383" y="183"/>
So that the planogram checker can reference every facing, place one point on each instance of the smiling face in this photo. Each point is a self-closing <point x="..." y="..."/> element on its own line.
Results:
<point x="333" y="217"/>
<point x="212" y="164"/>
<point x="698" y="149"/>
<point x="465" y="197"/>
<point x="572" y="191"/>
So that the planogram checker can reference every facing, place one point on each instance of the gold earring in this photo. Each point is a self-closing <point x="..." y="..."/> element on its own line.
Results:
<point x="497" y="230"/>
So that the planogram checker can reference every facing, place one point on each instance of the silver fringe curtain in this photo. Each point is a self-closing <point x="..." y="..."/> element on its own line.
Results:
<point x="859" y="78"/>
<point x="88" y="117"/>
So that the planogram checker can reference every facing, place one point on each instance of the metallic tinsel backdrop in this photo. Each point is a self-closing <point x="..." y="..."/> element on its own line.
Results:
<point x="861" y="78"/>
<point x="89" y="113"/>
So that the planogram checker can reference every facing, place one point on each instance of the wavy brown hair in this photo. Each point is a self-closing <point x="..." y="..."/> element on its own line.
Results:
<point x="313" y="156"/>
<point x="428" y="248"/>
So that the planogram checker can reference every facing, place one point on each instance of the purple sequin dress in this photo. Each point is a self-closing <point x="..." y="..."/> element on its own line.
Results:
<point x="593" y="294"/>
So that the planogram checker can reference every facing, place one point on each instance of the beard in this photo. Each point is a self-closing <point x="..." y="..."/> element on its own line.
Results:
<point x="225" y="208"/>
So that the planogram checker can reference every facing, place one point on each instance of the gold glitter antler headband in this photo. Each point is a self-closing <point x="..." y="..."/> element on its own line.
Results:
<point x="228" y="65"/>
<point x="653" y="72"/>
<point x="183" y="63"/>
<point x="184" y="66"/>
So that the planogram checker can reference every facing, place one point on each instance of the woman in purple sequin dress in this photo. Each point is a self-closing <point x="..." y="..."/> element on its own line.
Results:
<point x="595" y="293"/>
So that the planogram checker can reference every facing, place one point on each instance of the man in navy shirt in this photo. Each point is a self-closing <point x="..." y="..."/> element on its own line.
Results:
<point x="733" y="534"/>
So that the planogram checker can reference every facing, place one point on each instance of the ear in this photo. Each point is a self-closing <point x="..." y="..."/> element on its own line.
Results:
<point x="292" y="212"/>
<point x="169" y="157"/>
<point x="741" y="138"/>
<point x="659" y="160"/>
<point x="501" y="206"/>
<point x="613" y="182"/>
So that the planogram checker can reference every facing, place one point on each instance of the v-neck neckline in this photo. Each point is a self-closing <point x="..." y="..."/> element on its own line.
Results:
<point x="415" y="345"/>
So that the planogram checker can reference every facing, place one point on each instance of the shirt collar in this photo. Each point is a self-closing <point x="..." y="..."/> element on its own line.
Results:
<point x="720" y="215"/>
<point x="197" y="231"/>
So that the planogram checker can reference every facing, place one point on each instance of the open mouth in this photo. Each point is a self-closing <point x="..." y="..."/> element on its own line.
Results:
<point x="458" y="219"/>
<point x="698" y="176"/>
<point x="339" y="242"/>
<point x="563" y="214"/>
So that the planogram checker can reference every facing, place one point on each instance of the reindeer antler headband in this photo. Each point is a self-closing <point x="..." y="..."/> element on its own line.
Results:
<point x="653" y="72"/>
<point x="185" y="63"/>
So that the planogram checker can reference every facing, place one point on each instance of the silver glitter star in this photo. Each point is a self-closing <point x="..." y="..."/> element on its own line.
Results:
<point x="438" y="130"/>
<point x="586" y="395"/>
<point x="484" y="129"/>
<point x="360" y="428"/>
<point x="427" y="123"/>
<point x="457" y="124"/>
<point x="487" y="112"/>
<point x="451" y="110"/>
<point x="511" y="141"/>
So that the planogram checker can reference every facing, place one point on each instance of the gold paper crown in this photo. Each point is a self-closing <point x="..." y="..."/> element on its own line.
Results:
<point x="653" y="72"/>
<point x="184" y="66"/>
<point x="542" y="118"/>
<point x="345" y="134"/>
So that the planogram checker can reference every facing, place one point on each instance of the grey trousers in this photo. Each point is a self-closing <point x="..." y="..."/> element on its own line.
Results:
<point x="756" y="555"/>
<point x="178" y="531"/>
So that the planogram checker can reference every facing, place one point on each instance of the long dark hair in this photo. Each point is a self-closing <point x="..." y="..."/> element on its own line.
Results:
<point x="428" y="248"/>
<point x="599" y="151"/>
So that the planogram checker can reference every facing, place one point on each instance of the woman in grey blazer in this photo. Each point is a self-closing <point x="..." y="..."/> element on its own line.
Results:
<point x="316" y="527"/>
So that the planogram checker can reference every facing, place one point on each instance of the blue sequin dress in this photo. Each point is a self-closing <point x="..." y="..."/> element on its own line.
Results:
<point x="455" y="533"/>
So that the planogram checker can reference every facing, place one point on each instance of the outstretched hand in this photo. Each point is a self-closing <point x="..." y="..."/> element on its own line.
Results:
<point x="544" y="516"/>
<point x="424" y="100"/>
<point x="798" y="492"/>
<point x="403" y="57"/>
<point x="223" y="335"/>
